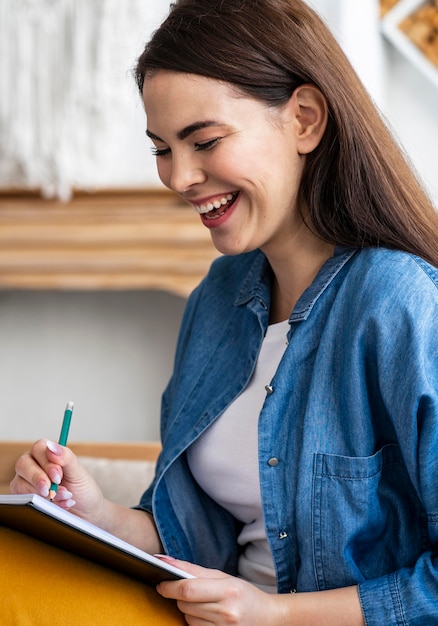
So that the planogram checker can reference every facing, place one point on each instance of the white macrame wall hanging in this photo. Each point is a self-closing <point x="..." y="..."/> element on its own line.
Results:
<point x="64" y="79"/>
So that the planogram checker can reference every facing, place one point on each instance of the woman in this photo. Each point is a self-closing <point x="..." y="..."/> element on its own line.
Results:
<point x="299" y="425"/>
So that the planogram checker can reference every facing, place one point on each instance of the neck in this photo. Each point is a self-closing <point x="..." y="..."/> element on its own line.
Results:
<point x="293" y="274"/>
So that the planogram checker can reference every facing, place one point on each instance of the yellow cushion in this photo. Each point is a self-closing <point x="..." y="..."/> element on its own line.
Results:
<point x="42" y="585"/>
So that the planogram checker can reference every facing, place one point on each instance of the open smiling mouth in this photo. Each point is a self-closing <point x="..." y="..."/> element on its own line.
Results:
<point x="214" y="210"/>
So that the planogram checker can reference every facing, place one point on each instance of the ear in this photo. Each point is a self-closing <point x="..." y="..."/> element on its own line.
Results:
<point x="310" y="113"/>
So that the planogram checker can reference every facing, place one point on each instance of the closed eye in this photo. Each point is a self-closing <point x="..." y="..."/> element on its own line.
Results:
<point x="207" y="145"/>
<point x="159" y="152"/>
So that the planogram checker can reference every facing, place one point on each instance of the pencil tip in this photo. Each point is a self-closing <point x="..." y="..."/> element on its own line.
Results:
<point x="52" y="495"/>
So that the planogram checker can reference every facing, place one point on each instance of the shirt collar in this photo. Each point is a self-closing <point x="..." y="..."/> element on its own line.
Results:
<point x="258" y="280"/>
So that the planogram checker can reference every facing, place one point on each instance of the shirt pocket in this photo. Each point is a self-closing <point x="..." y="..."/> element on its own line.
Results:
<point x="367" y="518"/>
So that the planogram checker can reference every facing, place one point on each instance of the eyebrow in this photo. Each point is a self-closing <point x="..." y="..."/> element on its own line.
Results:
<point x="187" y="131"/>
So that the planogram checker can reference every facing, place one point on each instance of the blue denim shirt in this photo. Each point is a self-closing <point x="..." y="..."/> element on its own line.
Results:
<point x="351" y="422"/>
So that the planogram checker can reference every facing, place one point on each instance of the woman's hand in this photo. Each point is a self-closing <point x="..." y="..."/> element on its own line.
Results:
<point x="48" y="462"/>
<point x="217" y="598"/>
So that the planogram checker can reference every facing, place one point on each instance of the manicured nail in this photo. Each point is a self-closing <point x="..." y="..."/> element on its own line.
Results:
<point x="54" y="447"/>
<point x="43" y="489"/>
<point x="165" y="557"/>
<point x="55" y="477"/>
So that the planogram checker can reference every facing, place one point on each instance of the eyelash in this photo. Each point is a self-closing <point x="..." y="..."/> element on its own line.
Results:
<point x="160" y="153"/>
<point x="208" y="145"/>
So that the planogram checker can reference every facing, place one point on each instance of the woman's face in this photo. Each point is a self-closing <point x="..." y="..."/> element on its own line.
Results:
<point x="231" y="157"/>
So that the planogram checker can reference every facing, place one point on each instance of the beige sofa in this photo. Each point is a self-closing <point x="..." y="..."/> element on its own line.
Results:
<point x="123" y="470"/>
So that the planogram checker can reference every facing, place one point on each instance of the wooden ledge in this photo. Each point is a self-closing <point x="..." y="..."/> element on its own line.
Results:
<point x="106" y="240"/>
<point x="132" y="451"/>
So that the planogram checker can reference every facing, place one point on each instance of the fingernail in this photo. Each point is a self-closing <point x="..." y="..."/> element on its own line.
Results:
<point x="55" y="477"/>
<point x="69" y="503"/>
<point x="43" y="489"/>
<point x="54" y="447"/>
<point x="164" y="557"/>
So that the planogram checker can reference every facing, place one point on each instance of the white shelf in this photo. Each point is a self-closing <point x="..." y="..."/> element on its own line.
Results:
<point x="390" y="28"/>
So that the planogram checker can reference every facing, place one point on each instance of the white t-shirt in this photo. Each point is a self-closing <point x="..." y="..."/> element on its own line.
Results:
<point x="224" y="461"/>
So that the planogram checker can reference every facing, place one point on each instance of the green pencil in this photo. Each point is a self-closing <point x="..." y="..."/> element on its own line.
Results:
<point x="62" y="440"/>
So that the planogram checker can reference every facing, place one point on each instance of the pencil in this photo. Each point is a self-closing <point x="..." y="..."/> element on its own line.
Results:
<point x="62" y="440"/>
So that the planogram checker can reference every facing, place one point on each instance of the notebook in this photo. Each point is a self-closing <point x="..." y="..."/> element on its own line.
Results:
<point x="35" y="516"/>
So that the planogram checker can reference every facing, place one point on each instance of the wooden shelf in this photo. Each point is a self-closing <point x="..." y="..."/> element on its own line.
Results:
<point x="138" y="240"/>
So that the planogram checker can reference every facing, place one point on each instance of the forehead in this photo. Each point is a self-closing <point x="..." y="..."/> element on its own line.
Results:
<point x="182" y="94"/>
<point x="178" y="99"/>
<point x="166" y="84"/>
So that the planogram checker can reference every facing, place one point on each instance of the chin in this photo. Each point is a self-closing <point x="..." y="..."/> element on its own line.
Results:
<point x="231" y="248"/>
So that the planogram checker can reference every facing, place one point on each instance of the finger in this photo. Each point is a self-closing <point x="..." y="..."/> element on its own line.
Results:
<point x="38" y="468"/>
<point x="198" y="590"/>
<point x="209" y="611"/>
<point x="197" y="621"/>
<point x="64" y="498"/>
<point x="20" y="485"/>
<point x="196" y="615"/>
<point x="31" y="471"/>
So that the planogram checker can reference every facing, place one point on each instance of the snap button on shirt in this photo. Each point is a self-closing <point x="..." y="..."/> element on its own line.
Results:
<point x="282" y="535"/>
<point x="269" y="389"/>
<point x="273" y="462"/>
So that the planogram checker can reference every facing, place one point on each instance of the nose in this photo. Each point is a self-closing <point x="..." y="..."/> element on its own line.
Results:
<point x="185" y="172"/>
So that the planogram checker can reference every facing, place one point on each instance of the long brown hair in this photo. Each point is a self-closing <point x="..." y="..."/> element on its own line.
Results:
<point x="358" y="188"/>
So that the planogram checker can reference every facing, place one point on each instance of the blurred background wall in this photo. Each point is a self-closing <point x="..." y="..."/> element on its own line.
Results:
<point x="70" y="117"/>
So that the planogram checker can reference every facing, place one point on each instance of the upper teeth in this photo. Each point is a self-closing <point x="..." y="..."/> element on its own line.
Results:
<point x="205" y="208"/>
